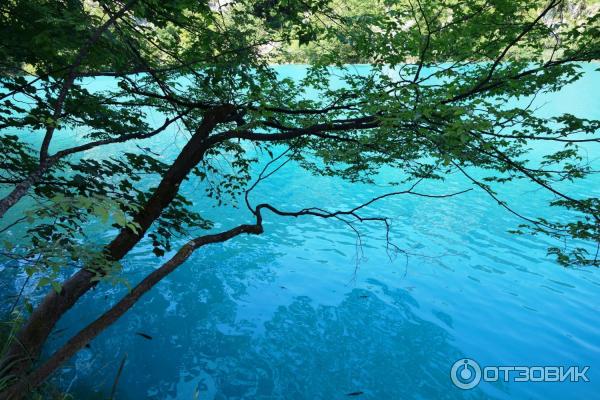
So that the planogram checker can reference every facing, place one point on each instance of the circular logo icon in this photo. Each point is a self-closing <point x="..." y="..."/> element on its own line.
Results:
<point x="465" y="374"/>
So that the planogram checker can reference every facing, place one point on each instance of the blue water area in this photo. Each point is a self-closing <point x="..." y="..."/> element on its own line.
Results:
<point x="305" y="311"/>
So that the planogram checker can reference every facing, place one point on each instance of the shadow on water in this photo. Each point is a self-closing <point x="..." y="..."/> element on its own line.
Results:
<point x="208" y="340"/>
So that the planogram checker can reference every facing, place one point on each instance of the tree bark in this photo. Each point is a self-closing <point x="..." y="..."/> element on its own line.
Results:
<point x="35" y="332"/>
<point x="18" y="192"/>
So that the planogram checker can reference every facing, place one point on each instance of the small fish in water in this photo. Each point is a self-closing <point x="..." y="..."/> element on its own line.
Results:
<point x="59" y="331"/>
<point x="354" y="394"/>
<point x="88" y="346"/>
<point x="364" y="296"/>
<point x="144" y="335"/>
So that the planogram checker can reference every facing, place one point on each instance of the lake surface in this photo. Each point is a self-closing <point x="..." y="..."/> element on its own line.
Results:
<point x="297" y="314"/>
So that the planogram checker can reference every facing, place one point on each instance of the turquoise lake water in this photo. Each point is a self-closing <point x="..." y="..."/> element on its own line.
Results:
<point x="296" y="314"/>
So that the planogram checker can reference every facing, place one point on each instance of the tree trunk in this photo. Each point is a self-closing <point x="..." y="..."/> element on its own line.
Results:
<point x="35" y="332"/>
<point x="84" y="336"/>
<point x="19" y="191"/>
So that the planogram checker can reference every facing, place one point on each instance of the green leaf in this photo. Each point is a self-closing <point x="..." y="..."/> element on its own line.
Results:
<point x="44" y="281"/>
<point x="56" y="286"/>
